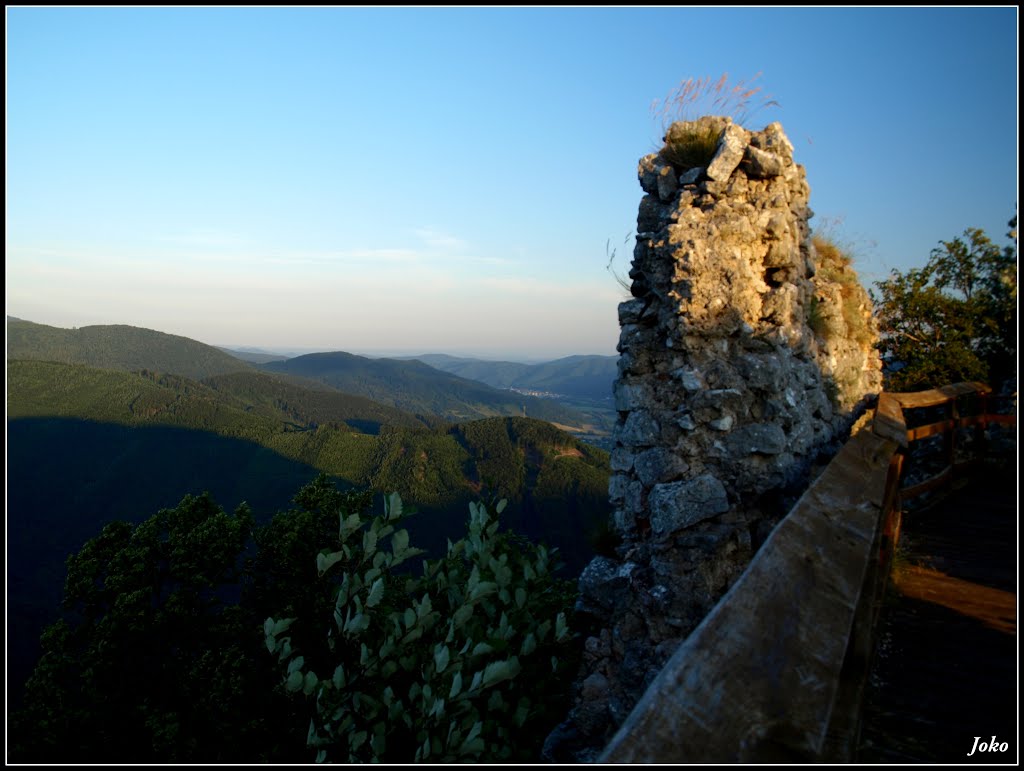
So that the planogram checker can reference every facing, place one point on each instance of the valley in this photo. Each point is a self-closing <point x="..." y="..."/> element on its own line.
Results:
<point x="116" y="423"/>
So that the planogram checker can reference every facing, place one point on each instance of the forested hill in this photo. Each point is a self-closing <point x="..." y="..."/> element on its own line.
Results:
<point x="408" y="386"/>
<point x="418" y="388"/>
<point x="254" y="357"/>
<point x="87" y="446"/>
<point x="119" y="347"/>
<point x="431" y="465"/>
<point x="575" y="377"/>
<point x="310" y="402"/>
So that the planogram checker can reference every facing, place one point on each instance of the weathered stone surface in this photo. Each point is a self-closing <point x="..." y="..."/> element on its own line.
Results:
<point x="764" y="438"/>
<point x="678" y="505"/>
<point x="621" y="459"/>
<point x="761" y="164"/>
<point x="647" y="173"/>
<point x="724" y="423"/>
<point x="730" y="153"/>
<point x="640" y="429"/>
<point x="690" y="379"/>
<point x="743" y="357"/>
<point x="776" y="141"/>
<point x="601" y="581"/>
<point x="629" y="311"/>
<point x="651" y="216"/>
<point x="667" y="183"/>
<point x="629" y="396"/>
<point x="658" y="465"/>
<point x="617" y="485"/>
<point x="690" y="176"/>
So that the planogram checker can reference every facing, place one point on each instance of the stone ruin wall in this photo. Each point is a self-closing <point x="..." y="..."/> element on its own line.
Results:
<point x="740" y="364"/>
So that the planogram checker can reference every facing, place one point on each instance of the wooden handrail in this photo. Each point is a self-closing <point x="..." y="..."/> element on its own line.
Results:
<point x="890" y="423"/>
<point x="776" y="670"/>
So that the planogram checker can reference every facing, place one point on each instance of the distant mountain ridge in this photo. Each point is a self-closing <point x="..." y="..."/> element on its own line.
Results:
<point x="119" y="347"/>
<point x="254" y="357"/>
<point x="411" y="386"/>
<point x="417" y="387"/>
<point x="576" y="377"/>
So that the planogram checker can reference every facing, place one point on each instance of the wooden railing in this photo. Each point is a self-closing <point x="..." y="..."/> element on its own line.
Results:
<point x="776" y="671"/>
<point x="890" y="421"/>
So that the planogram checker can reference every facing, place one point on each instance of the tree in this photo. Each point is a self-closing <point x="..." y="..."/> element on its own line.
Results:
<point x="465" y="663"/>
<point x="152" y="660"/>
<point x="955" y="319"/>
<point x="162" y="655"/>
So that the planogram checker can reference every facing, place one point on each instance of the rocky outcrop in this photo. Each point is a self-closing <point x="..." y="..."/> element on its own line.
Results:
<point x="732" y="351"/>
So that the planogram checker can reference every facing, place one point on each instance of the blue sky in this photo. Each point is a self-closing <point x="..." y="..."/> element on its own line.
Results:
<point x="414" y="180"/>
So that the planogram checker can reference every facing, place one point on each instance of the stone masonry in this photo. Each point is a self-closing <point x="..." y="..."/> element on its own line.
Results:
<point x="738" y="368"/>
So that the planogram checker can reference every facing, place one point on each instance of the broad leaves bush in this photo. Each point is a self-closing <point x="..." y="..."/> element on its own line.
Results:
<point x="467" y="662"/>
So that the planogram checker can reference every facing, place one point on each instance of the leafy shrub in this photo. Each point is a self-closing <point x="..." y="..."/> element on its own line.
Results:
<point x="465" y="663"/>
<point x="162" y="659"/>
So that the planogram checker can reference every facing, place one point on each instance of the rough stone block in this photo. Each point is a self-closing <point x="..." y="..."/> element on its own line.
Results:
<point x="629" y="396"/>
<point x="763" y="438"/>
<point x="678" y="505"/>
<point x="761" y="164"/>
<point x="640" y="429"/>
<point x="659" y="465"/>
<point x="730" y="153"/>
<point x="667" y="184"/>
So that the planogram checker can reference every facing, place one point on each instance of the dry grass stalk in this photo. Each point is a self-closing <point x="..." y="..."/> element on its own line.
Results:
<point x="696" y="96"/>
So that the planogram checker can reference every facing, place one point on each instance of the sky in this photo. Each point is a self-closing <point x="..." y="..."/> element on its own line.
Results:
<point x="455" y="180"/>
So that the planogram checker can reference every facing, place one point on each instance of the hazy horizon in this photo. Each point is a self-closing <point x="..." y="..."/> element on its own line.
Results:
<point x="524" y="356"/>
<point x="293" y="177"/>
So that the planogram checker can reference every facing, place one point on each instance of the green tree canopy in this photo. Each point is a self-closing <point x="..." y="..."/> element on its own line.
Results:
<point x="953" y="320"/>
<point x="163" y="653"/>
<point x="154" y="660"/>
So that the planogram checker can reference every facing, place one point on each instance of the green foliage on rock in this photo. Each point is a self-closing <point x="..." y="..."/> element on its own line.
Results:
<point x="954" y="319"/>
<point x="467" y="662"/>
<point x="835" y="265"/>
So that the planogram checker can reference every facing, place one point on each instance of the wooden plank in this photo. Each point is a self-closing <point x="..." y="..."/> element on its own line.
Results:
<point x="940" y="479"/>
<point x="890" y="501"/>
<point x="960" y="389"/>
<point x="937" y="396"/>
<point x="921" y="432"/>
<point x="758" y="679"/>
<point x="942" y="676"/>
<point x="972" y="420"/>
<point x="918" y="399"/>
<point x="888" y="421"/>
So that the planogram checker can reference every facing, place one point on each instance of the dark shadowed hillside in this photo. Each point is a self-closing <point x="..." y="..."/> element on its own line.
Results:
<point x="88" y="446"/>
